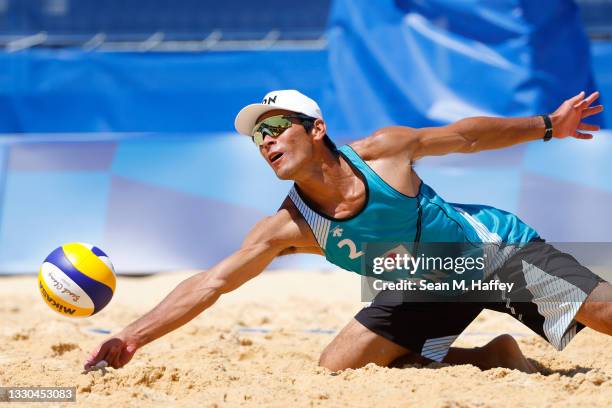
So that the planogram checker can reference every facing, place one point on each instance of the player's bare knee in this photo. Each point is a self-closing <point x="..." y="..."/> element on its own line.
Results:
<point x="505" y="342"/>
<point x="501" y="349"/>
<point x="324" y="360"/>
<point x="329" y="360"/>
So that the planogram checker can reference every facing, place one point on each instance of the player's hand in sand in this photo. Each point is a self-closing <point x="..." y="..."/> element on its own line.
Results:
<point x="117" y="351"/>
<point x="567" y="119"/>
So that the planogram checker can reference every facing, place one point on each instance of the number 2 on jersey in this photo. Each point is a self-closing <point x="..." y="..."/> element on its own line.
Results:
<point x="353" y="253"/>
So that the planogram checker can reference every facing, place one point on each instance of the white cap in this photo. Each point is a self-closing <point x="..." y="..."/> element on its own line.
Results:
<point x="288" y="99"/>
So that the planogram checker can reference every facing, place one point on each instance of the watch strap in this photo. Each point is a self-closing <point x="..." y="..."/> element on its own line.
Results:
<point x="549" y="128"/>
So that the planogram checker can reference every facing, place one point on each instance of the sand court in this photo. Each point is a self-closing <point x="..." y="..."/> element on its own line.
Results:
<point x="261" y="344"/>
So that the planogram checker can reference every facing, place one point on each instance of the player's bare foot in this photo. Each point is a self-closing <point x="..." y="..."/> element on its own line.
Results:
<point x="504" y="351"/>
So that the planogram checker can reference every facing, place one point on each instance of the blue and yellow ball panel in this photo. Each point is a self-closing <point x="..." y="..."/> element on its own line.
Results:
<point x="77" y="280"/>
<point x="98" y="252"/>
<point x="89" y="264"/>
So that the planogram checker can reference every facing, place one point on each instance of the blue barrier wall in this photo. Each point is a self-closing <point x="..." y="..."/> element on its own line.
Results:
<point x="158" y="202"/>
<point x="153" y="202"/>
<point x="182" y="191"/>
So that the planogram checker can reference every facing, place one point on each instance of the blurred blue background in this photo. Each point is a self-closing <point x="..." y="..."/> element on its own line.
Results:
<point x="117" y="116"/>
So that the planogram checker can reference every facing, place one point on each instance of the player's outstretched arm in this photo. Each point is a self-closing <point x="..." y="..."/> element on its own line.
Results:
<point x="485" y="133"/>
<point x="276" y="235"/>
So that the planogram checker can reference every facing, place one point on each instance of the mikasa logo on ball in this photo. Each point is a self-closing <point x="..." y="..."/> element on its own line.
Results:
<point x="51" y="302"/>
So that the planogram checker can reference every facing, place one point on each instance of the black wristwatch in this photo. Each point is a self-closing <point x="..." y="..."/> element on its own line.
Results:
<point x="549" y="128"/>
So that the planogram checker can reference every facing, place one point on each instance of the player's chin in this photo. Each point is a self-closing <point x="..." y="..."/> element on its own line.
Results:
<point x="282" y="176"/>
<point x="283" y="173"/>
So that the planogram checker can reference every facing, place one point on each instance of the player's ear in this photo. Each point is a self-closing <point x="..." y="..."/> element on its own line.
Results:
<point x="319" y="130"/>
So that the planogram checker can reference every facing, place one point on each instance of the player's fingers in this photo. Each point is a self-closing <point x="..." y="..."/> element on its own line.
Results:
<point x="95" y="356"/>
<point x="576" y="99"/>
<point x="584" y="136"/>
<point x="124" y="358"/>
<point x="592" y="97"/>
<point x="592" y="111"/>
<point x="112" y="356"/>
<point x="583" y="104"/>
<point x="587" y="101"/>
<point x="588" y="126"/>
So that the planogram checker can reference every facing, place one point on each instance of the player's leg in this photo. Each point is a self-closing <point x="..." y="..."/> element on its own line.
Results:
<point x="390" y="328"/>
<point x="417" y="332"/>
<point x="596" y="311"/>
<point x="356" y="345"/>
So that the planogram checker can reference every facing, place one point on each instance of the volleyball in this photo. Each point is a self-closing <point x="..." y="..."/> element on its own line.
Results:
<point x="77" y="280"/>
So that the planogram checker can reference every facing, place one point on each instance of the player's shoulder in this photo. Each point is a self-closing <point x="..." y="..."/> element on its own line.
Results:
<point x="286" y="227"/>
<point x="385" y="142"/>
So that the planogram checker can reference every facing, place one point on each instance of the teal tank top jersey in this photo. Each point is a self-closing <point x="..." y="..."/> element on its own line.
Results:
<point x="389" y="216"/>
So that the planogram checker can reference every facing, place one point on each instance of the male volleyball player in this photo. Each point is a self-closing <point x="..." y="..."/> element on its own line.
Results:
<point x="369" y="191"/>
